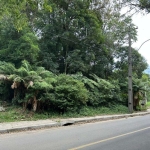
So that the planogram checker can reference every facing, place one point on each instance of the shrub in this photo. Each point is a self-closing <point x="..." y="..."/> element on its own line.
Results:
<point x="68" y="94"/>
<point x="101" y="92"/>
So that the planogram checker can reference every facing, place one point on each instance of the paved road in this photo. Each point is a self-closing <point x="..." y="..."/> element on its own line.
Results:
<point x="123" y="134"/>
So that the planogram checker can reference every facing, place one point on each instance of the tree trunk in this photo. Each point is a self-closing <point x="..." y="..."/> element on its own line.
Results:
<point x="24" y="105"/>
<point x="15" y="93"/>
<point x="34" y="104"/>
<point x="66" y="55"/>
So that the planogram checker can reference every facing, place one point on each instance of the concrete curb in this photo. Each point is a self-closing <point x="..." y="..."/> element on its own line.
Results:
<point x="22" y="126"/>
<point x="105" y="118"/>
<point x="34" y="125"/>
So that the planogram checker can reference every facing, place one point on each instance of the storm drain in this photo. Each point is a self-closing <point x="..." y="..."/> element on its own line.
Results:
<point x="67" y="123"/>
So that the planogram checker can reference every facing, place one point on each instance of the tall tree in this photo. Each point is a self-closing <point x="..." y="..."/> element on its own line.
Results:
<point x="137" y="4"/>
<point x="22" y="11"/>
<point x="115" y="29"/>
<point x="72" y="29"/>
<point x="139" y="64"/>
<point x="16" y="46"/>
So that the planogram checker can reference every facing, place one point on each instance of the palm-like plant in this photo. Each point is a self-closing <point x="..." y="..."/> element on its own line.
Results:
<point x="139" y="89"/>
<point x="27" y="81"/>
<point x="6" y="68"/>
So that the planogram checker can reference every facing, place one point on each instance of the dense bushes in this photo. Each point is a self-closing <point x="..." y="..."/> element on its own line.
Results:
<point x="38" y="87"/>
<point x="41" y="89"/>
<point x="67" y="94"/>
<point x="101" y="92"/>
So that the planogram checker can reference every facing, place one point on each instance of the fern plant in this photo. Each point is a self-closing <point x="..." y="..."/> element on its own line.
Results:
<point x="27" y="82"/>
<point x="139" y="89"/>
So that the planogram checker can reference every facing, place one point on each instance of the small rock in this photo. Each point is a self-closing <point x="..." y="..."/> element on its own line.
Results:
<point x="2" y="108"/>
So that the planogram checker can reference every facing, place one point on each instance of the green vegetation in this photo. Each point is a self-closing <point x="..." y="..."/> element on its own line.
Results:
<point x="142" y="4"/>
<point x="67" y="58"/>
<point x="14" y="113"/>
<point x="148" y="104"/>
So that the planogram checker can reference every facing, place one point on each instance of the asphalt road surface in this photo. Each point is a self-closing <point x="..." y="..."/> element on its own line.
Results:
<point x="123" y="134"/>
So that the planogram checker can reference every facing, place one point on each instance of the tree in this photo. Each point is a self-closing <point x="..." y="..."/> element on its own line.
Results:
<point x="16" y="46"/>
<point x="28" y="82"/>
<point x="139" y="93"/>
<point x="22" y="11"/>
<point x="146" y="80"/>
<point x="139" y="64"/>
<point x="115" y="29"/>
<point x="145" y="4"/>
<point x="75" y="32"/>
<point x="34" y="86"/>
<point x="140" y="4"/>
<point x="6" y="69"/>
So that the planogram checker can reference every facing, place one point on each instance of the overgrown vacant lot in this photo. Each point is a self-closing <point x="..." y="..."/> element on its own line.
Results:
<point x="68" y="59"/>
<point x="13" y="113"/>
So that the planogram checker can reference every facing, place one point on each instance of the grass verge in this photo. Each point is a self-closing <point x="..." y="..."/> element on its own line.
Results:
<point x="13" y="113"/>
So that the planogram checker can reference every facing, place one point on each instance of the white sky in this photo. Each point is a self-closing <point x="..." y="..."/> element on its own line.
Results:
<point x="143" y="24"/>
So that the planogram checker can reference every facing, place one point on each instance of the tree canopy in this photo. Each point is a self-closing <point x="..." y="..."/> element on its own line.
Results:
<point x="140" y="4"/>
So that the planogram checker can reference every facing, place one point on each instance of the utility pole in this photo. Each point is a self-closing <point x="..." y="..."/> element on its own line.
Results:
<point x="130" y="91"/>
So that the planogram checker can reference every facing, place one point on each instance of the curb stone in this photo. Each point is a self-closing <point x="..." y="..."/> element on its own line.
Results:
<point x="26" y="126"/>
<point x="105" y="118"/>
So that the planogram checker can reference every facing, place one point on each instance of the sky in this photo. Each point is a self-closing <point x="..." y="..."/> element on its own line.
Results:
<point x="143" y="24"/>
